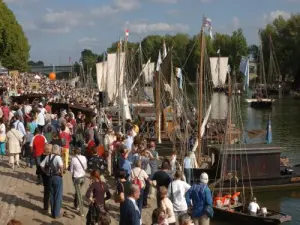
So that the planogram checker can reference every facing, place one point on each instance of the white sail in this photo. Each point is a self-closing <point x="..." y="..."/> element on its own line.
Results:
<point x="219" y="103"/>
<point x="149" y="93"/>
<point x="126" y="110"/>
<point x="219" y="70"/>
<point x="110" y="75"/>
<point x="148" y="72"/>
<point x="101" y="69"/>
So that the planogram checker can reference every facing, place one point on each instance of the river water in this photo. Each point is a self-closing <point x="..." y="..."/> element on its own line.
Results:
<point x="285" y="118"/>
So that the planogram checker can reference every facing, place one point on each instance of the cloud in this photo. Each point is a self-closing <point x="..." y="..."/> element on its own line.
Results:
<point x="165" y="1"/>
<point x="19" y="2"/>
<point x="87" y="41"/>
<point x="235" y="23"/>
<point x="117" y="6"/>
<point x="142" y="28"/>
<point x="275" y="14"/>
<point x="173" y="12"/>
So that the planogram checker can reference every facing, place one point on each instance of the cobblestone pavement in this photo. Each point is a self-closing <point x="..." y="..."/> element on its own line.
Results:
<point x="22" y="199"/>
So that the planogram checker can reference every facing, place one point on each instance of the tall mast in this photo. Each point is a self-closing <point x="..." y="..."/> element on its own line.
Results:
<point x="158" y="109"/>
<point x="200" y="89"/>
<point x="219" y="68"/>
<point x="120" y="90"/>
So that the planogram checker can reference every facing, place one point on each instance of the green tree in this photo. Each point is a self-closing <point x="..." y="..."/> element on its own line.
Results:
<point x="284" y="37"/>
<point x="14" y="47"/>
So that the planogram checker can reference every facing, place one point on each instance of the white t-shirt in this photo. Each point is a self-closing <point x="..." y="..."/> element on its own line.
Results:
<point x="41" y="119"/>
<point x="140" y="174"/>
<point x="76" y="168"/>
<point x="57" y="161"/>
<point x="253" y="207"/>
<point x="179" y="188"/>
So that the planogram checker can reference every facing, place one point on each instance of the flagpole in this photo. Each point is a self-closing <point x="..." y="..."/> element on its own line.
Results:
<point x="200" y="89"/>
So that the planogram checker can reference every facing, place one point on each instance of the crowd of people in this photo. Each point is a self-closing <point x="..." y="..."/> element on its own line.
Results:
<point x="55" y="144"/>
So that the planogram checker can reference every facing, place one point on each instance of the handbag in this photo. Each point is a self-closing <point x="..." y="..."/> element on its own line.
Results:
<point x="94" y="213"/>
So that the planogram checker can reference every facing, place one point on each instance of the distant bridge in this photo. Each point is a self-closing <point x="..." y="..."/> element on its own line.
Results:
<point x="49" y="69"/>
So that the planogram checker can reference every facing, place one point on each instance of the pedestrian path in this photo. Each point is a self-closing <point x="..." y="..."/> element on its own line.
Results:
<point x="22" y="199"/>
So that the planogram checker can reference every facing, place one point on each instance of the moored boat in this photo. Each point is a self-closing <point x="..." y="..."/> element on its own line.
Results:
<point x="238" y="215"/>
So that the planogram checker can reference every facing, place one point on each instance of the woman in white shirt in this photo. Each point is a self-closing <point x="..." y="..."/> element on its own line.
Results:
<point x="167" y="205"/>
<point x="176" y="192"/>
<point x="77" y="168"/>
<point x="2" y="138"/>
<point x="137" y="173"/>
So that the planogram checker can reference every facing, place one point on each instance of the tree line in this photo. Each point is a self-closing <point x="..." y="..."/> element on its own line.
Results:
<point x="284" y="33"/>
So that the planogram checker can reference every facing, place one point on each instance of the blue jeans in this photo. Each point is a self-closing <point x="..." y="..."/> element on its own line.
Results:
<point x="56" y="192"/>
<point x="139" y="202"/>
<point x="37" y="163"/>
<point x="188" y="175"/>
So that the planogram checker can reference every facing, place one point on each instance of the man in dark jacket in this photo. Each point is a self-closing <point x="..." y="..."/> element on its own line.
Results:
<point x="129" y="211"/>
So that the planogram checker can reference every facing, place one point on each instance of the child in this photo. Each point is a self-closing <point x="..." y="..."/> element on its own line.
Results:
<point x="27" y="139"/>
<point x="159" y="217"/>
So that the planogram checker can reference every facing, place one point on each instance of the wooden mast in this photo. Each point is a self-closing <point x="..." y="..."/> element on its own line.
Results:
<point x="157" y="105"/>
<point x="200" y="89"/>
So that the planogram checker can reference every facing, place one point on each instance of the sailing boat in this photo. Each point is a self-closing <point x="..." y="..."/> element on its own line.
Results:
<point x="241" y="160"/>
<point x="260" y="97"/>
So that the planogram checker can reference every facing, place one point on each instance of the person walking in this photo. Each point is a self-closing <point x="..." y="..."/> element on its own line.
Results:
<point x="46" y="179"/>
<point x="52" y="165"/>
<point x="97" y="193"/>
<point x="14" y="140"/>
<point x="162" y="178"/>
<point x="139" y="176"/>
<point x="167" y="205"/>
<point x="187" y="164"/>
<point x="176" y="193"/>
<point x="37" y="145"/>
<point x="2" y="138"/>
<point x="200" y="199"/>
<point x="77" y="168"/>
<point x="65" y="139"/>
<point x="129" y="211"/>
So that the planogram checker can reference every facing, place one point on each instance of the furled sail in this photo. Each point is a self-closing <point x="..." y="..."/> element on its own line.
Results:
<point x="110" y="75"/>
<point x="219" y="104"/>
<point x="148" y="72"/>
<point x="219" y="70"/>
<point x="101" y="75"/>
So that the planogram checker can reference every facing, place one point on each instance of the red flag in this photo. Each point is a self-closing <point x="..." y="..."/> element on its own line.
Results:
<point x="126" y="34"/>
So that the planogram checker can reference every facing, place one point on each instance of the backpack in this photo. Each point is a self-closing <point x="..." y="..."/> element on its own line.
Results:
<point x="50" y="169"/>
<point x="136" y="180"/>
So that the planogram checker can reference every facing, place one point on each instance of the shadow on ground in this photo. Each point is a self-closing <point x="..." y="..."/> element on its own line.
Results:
<point x="47" y="223"/>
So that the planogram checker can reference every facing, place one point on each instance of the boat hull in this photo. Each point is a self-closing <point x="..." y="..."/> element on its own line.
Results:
<point x="247" y="219"/>
<point x="258" y="184"/>
<point x="261" y="103"/>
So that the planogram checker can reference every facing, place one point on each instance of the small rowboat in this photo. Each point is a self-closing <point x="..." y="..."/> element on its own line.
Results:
<point x="261" y="102"/>
<point x="237" y="215"/>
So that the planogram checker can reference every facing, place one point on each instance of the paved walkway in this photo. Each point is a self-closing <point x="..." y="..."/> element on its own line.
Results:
<point x="22" y="199"/>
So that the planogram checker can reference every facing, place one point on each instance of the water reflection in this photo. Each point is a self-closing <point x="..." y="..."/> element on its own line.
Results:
<point x="286" y="133"/>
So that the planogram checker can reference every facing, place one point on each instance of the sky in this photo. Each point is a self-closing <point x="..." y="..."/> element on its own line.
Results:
<point x="59" y="29"/>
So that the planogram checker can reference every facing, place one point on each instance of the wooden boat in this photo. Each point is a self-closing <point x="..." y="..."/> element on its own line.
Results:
<point x="264" y="166"/>
<point x="27" y="97"/>
<point x="260" y="102"/>
<point x="237" y="215"/>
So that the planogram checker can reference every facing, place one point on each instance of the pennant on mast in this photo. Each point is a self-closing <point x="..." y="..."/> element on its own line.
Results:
<point x="207" y="23"/>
